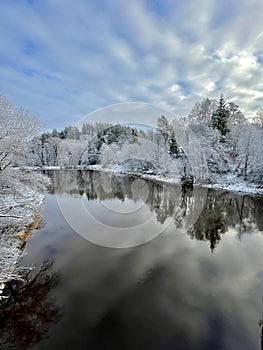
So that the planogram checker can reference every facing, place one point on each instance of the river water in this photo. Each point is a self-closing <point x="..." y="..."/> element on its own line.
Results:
<point x="128" y="263"/>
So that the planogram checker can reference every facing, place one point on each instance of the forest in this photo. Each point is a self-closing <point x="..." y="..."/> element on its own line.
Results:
<point x="214" y="144"/>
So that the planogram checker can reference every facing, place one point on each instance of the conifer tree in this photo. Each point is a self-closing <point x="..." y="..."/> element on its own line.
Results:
<point x="220" y="118"/>
<point x="174" y="148"/>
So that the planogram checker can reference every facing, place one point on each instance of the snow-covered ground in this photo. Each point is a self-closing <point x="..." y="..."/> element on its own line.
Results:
<point x="17" y="212"/>
<point x="10" y="252"/>
<point x="241" y="187"/>
<point x="227" y="182"/>
<point x="233" y="183"/>
<point x="21" y="208"/>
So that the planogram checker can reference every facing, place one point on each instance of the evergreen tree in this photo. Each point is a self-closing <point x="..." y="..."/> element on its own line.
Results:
<point x="134" y="132"/>
<point x="220" y="117"/>
<point x="62" y="135"/>
<point x="55" y="133"/>
<point x="72" y="132"/>
<point x="174" y="148"/>
<point x="44" y="137"/>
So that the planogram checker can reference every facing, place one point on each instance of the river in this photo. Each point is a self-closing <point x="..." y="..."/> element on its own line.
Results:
<point x="125" y="263"/>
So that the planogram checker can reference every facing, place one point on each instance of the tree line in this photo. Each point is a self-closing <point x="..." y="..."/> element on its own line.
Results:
<point x="231" y="144"/>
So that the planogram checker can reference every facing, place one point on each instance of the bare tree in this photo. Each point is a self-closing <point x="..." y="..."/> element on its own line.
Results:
<point x="258" y="119"/>
<point x="18" y="188"/>
<point x="17" y="127"/>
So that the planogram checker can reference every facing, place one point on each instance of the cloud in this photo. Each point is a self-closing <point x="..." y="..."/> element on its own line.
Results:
<point x="62" y="60"/>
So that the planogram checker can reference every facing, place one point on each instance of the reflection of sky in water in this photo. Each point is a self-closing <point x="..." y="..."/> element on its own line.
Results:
<point x="170" y="293"/>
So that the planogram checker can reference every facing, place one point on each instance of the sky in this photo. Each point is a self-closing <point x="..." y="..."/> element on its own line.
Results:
<point x="62" y="59"/>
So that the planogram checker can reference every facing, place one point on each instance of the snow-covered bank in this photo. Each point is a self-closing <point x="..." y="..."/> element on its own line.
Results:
<point x="229" y="182"/>
<point x="240" y="187"/>
<point x="232" y="183"/>
<point x="9" y="255"/>
<point x="19" y="208"/>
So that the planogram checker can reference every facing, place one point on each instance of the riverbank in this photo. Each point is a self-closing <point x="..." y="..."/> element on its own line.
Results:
<point x="19" y="215"/>
<point x="227" y="182"/>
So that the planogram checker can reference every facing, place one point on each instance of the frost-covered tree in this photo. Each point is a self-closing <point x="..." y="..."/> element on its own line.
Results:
<point x="258" y="119"/>
<point x="43" y="153"/>
<point x="17" y="127"/>
<point x="55" y="133"/>
<point x="92" y="152"/>
<point x="215" y="154"/>
<point x="109" y="154"/>
<point x="115" y="134"/>
<point x="163" y="124"/>
<point x="153" y="158"/>
<point x="18" y="188"/>
<point x="174" y="147"/>
<point x="71" y="132"/>
<point x="236" y="117"/>
<point x="163" y="130"/>
<point x="249" y="158"/>
<point x="202" y="112"/>
<point x="70" y="152"/>
<point x="220" y="117"/>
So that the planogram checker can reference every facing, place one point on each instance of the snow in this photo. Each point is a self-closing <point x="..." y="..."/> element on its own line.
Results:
<point x="10" y="253"/>
<point x="199" y="155"/>
<point x="238" y="186"/>
<point x="55" y="167"/>
<point x="17" y="220"/>
<point x="229" y="183"/>
<point x="20" y="201"/>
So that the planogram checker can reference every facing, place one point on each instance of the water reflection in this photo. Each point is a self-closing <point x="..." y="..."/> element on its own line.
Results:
<point x="205" y="214"/>
<point x="27" y="312"/>
<point x="261" y="330"/>
<point x="171" y="293"/>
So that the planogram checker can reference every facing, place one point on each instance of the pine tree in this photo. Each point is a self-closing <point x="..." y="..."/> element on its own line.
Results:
<point x="220" y="118"/>
<point x="174" y="148"/>
<point x="55" y="133"/>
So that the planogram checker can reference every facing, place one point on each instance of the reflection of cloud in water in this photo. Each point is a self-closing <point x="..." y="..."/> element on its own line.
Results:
<point x="171" y="289"/>
<point x="207" y="215"/>
<point x="151" y="206"/>
<point x="172" y="292"/>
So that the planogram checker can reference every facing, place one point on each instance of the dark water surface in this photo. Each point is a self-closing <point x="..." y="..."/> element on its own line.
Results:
<point x="196" y="285"/>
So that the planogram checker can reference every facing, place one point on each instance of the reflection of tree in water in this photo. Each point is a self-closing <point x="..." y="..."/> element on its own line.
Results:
<point x="212" y="221"/>
<point x="261" y="330"/>
<point x="27" y="312"/>
<point x="261" y="326"/>
<point x="221" y="210"/>
<point x="162" y="198"/>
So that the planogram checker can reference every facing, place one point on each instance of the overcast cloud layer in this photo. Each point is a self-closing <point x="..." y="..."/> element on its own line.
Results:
<point x="63" y="59"/>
